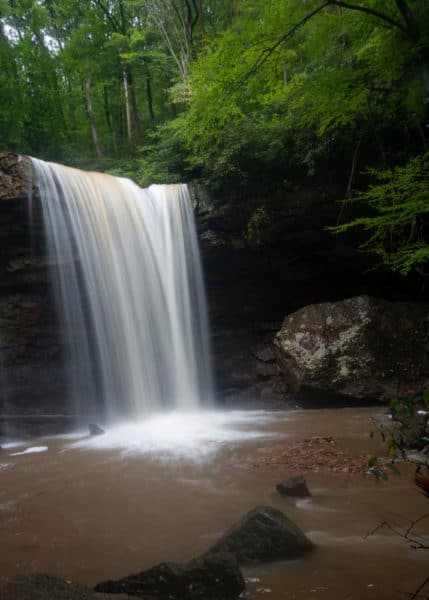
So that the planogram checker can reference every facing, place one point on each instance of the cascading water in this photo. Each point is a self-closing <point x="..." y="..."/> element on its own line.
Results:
<point x="129" y="289"/>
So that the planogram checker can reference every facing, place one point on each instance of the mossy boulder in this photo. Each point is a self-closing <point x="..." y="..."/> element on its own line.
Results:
<point x="362" y="347"/>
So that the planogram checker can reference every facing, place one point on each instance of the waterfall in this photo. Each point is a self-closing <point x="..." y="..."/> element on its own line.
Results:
<point x="128" y="285"/>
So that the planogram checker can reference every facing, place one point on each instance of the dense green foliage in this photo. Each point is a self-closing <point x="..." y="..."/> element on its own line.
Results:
<point x="400" y="201"/>
<point x="261" y="96"/>
<point x="82" y="80"/>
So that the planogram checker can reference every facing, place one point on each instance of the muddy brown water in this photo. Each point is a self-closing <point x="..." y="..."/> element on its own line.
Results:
<point x="91" y="515"/>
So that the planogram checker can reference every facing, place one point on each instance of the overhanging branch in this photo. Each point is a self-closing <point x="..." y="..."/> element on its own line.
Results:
<point x="372" y="12"/>
<point x="267" y="52"/>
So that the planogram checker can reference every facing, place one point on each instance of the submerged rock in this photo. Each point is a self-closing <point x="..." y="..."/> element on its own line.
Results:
<point x="263" y="534"/>
<point x="207" y="578"/>
<point x="361" y="347"/>
<point x="95" y="429"/>
<point x="295" y="486"/>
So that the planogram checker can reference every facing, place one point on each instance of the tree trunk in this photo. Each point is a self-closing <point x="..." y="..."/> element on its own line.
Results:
<point x="127" y="106"/>
<point x="134" y="109"/>
<point x="149" y="94"/>
<point x="108" y="119"/>
<point x="200" y="14"/>
<point x="90" y="113"/>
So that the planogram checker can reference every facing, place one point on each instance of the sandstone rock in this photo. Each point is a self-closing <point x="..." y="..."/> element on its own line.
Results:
<point x="295" y="486"/>
<point x="207" y="578"/>
<point x="264" y="534"/>
<point x="15" y="176"/>
<point x="362" y="347"/>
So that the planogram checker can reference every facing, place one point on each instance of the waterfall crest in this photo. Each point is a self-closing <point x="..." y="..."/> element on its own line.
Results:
<point x="129" y="289"/>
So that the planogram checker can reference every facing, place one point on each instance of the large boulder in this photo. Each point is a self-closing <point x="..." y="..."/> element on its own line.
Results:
<point x="206" y="578"/>
<point x="264" y="534"/>
<point x="362" y="347"/>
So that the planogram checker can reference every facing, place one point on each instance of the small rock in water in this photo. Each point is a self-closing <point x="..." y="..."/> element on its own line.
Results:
<point x="264" y="534"/>
<point x="295" y="486"/>
<point x="95" y="429"/>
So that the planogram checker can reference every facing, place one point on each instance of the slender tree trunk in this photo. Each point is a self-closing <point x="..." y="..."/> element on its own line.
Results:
<point x="149" y="95"/>
<point x="134" y="109"/>
<point x="90" y="113"/>
<point x="200" y="14"/>
<point x="354" y="165"/>
<point x="109" y="119"/>
<point x="127" y="106"/>
<point x="106" y="109"/>
<point x="349" y="189"/>
<point x="131" y="108"/>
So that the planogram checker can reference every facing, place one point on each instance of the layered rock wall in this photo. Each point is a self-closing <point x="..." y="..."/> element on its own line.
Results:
<point x="32" y="378"/>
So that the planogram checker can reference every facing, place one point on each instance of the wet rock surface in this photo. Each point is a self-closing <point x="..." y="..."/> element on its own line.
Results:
<point x="95" y="429"/>
<point x="208" y="578"/>
<point x="31" y="370"/>
<point x="15" y="176"/>
<point x="361" y="347"/>
<point x="264" y="534"/>
<point x="251" y="288"/>
<point x="294" y="486"/>
<point x="43" y="587"/>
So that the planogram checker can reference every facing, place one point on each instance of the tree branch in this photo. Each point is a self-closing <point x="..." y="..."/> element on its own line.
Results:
<point x="267" y="52"/>
<point x="408" y="17"/>
<point x="419" y="589"/>
<point x="110" y="17"/>
<point x="373" y="12"/>
<point x="416" y="541"/>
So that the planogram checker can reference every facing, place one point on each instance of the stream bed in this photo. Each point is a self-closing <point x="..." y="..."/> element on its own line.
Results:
<point x="95" y="508"/>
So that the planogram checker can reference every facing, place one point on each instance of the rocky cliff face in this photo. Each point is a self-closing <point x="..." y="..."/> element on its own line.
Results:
<point x="30" y="367"/>
<point x="250" y="289"/>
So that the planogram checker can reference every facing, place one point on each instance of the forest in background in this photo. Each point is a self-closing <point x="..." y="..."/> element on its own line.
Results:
<point x="258" y="97"/>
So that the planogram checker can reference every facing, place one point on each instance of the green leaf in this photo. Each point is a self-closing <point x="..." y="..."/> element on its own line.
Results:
<point x="372" y="461"/>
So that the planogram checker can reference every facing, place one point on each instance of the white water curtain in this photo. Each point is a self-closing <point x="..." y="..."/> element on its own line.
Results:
<point x="129" y="289"/>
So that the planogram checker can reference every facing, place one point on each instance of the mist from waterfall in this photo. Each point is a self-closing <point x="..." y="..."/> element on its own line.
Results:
<point x="128" y="285"/>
